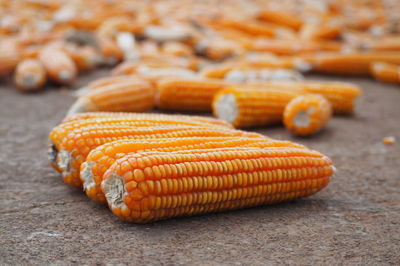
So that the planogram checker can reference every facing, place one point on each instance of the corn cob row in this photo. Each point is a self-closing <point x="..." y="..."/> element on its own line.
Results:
<point x="30" y="75"/>
<point x="102" y="157"/>
<point x="252" y="107"/>
<point x="77" y="145"/>
<point x="151" y="186"/>
<point x="307" y="114"/>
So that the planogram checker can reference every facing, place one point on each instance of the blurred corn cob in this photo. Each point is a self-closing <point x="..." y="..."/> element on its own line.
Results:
<point x="252" y="107"/>
<point x="386" y="72"/>
<point x="30" y="75"/>
<point x="59" y="66"/>
<point x="132" y="96"/>
<point x="307" y="114"/>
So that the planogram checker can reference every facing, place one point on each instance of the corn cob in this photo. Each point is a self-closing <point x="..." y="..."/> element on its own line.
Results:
<point x="280" y="18"/>
<point x="313" y="31"/>
<point x="102" y="82"/>
<point x="252" y="107"/>
<point x="101" y="158"/>
<point x="132" y="96"/>
<point x="177" y="49"/>
<point x="187" y="94"/>
<point x="307" y="114"/>
<point x="30" y="75"/>
<point x="143" y="116"/>
<point x="85" y="58"/>
<point x="351" y="64"/>
<point x="59" y="66"/>
<point x="256" y="28"/>
<point x="262" y="74"/>
<point x="290" y="47"/>
<point x="109" y="51"/>
<point x="386" y="72"/>
<point x="218" y="49"/>
<point x="342" y="95"/>
<point x="58" y="133"/>
<point x="9" y="56"/>
<point x="151" y="186"/>
<point x="77" y="145"/>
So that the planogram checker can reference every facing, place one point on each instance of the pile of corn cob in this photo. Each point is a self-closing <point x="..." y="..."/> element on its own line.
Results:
<point x="148" y="167"/>
<point x="239" y="41"/>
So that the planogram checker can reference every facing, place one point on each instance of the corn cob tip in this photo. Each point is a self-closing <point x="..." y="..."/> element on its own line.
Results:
<point x="64" y="160"/>
<point x="114" y="191"/>
<point x="52" y="153"/>
<point x="226" y="108"/>
<point x="65" y="76"/>
<point x="87" y="175"/>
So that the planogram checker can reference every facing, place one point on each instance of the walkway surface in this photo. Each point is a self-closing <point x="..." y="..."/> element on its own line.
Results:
<point x="355" y="220"/>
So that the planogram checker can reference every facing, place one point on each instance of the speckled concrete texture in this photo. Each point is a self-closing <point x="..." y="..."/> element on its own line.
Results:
<point x="355" y="220"/>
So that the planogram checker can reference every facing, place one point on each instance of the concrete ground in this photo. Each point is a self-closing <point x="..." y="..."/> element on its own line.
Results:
<point x="355" y="220"/>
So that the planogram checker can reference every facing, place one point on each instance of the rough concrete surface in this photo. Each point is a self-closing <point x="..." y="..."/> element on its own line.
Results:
<point x="355" y="220"/>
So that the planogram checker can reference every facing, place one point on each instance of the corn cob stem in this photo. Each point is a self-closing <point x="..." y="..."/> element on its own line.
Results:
<point x="157" y="185"/>
<point x="307" y="114"/>
<point x="77" y="145"/>
<point x="101" y="158"/>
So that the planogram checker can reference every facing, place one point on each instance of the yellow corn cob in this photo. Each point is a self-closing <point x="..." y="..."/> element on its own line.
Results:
<point x="261" y="74"/>
<point x="102" y="82"/>
<point x="109" y="51"/>
<point x="77" y="145"/>
<point x="313" y="31"/>
<point x="177" y="49"/>
<point x="351" y="64"/>
<point x="132" y="96"/>
<point x="218" y="49"/>
<point x="385" y="72"/>
<point x="58" y="133"/>
<point x="101" y="158"/>
<point x="9" y="56"/>
<point x="59" y="66"/>
<point x="252" y="107"/>
<point x="151" y="186"/>
<point x="256" y="28"/>
<point x="342" y="95"/>
<point x="307" y="114"/>
<point x="290" y="47"/>
<point x="146" y="116"/>
<point x="30" y="75"/>
<point x="280" y="18"/>
<point x="85" y="58"/>
<point x="187" y="94"/>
